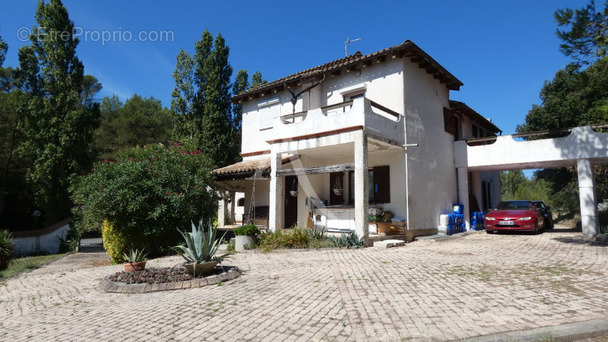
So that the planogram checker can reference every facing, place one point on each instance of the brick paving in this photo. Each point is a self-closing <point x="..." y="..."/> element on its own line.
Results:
<point x="428" y="290"/>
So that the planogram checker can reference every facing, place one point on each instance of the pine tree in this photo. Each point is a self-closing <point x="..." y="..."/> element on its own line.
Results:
<point x="586" y="39"/>
<point x="3" y="49"/>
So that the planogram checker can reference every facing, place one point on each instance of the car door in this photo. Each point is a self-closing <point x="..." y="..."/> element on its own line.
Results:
<point x="539" y="209"/>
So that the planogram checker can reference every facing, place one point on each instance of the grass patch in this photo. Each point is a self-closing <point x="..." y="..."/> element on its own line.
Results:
<point x="19" y="265"/>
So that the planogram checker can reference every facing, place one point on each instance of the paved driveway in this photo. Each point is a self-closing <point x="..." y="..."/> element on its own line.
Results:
<point x="463" y="287"/>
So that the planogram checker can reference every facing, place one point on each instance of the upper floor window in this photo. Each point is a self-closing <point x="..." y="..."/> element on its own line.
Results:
<point x="269" y="110"/>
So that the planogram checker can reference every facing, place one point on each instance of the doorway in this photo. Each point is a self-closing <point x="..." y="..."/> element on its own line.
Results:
<point x="291" y="203"/>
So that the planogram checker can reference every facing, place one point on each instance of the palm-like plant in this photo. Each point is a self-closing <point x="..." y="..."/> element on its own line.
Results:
<point x="201" y="244"/>
<point x="6" y="248"/>
<point x="135" y="255"/>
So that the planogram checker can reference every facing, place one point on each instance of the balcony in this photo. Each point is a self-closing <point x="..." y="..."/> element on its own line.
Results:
<point x="379" y="122"/>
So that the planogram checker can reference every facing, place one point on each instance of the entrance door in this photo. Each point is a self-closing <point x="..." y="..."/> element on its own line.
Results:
<point x="291" y="203"/>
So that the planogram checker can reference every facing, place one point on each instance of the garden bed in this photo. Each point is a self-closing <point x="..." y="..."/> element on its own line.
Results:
<point x="164" y="279"/>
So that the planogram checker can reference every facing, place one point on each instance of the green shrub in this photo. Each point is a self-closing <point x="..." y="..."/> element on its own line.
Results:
<point x="350" y="240"/>
<point x="114" y="242"/>
<point x="316" y="233"/>
<point x="6" y="248"/>
<point x="145" y="195"/>
<point x="293" y="238"/>
<point x="70" y="242"/>
<point x="248" y="229"/>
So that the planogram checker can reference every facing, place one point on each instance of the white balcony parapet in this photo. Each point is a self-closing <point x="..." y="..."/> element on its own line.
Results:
<point x="378" y="122"/>
<point x="506" y="153"/>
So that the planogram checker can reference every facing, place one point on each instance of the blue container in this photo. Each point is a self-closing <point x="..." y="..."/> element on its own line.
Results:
<point x="458" y="208"/>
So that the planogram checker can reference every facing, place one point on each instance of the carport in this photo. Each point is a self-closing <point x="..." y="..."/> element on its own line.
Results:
<point x="583" y="147"/>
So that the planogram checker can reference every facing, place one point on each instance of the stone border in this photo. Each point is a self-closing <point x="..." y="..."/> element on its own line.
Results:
<point x="118" y="287"/>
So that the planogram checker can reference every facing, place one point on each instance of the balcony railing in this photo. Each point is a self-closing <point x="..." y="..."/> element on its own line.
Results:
<point x="375" y="118"/>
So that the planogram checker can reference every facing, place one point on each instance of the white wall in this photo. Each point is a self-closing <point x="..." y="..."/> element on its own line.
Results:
<point x="48" y="243"/>
<point x="383" y="83"/>
<point x="432" y="184"/>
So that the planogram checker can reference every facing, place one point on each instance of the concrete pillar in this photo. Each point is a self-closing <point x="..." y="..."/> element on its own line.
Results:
<point x="361" y="187"/>
<point x="232" y="207"/>
<point x="221" y="210"/>
<point x="586" y="189"/>
<point x="463" y="194"/>
<point x="276" y="206"/>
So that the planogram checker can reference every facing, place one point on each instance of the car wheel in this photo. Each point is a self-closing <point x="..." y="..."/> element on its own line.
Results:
<point x="490" y="232"/>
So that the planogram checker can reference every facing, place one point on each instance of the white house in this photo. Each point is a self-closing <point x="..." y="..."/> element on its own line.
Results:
<point x="326" y="144"/>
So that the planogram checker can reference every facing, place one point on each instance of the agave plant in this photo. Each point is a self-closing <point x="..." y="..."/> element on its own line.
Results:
<point x="201" y="244"/>
<point x="135" y="255"/>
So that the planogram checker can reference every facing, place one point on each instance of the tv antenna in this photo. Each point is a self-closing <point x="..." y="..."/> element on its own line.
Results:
<point x="347" y="42"/>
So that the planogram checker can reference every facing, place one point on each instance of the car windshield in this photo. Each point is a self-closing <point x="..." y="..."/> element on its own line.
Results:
<point x="513" y="205"/>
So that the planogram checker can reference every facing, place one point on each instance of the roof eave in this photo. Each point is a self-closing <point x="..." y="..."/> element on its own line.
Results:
<point x="405" y="50"/>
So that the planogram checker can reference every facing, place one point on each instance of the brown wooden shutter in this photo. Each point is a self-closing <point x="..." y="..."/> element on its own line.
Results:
<point x="382" y="184"/>
<point x="450" y="121"/>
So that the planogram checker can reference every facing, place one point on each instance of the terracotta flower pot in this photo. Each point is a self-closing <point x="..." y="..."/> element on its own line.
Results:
<point x="135" y="266"/>
<point x="202" y="268"/>
<point x="384" y="228"/>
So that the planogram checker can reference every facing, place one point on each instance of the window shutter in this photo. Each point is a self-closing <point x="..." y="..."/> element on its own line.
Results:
<point x="450" y="121"/>
<point x="382" y="184"/>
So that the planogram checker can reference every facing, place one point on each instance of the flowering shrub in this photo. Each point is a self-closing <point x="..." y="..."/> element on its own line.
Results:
<point x="146" y="195"/>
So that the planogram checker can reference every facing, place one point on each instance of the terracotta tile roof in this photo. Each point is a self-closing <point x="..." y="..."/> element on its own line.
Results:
<point x="245" y="166"/>
<point x="405" y="49"/>
<point x="463" y="109"/>
<point x="248" y="166"/>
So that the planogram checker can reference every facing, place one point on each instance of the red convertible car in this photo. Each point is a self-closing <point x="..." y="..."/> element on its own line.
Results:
<point x="514" y="215"/>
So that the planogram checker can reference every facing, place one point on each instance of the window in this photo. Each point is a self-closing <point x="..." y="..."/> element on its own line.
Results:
<point x="268" y="112"/>
<point x="379" y="185"/>
<point x="241" y="202"/>
<point x="450" y="122"/>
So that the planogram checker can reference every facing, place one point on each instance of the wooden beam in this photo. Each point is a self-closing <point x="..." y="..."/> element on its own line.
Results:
<point x="315" y="170"/>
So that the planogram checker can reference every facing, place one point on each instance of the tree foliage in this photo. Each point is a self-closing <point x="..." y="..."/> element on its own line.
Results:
<point x="515" y="186"/>
<point x="3" y="49"/>
<point x="138" y="122"/>
<point x="56" y="121"/>
<point x="200" y="104"/>
<point x="585" y="37"/>
<point x="574" y="97"/>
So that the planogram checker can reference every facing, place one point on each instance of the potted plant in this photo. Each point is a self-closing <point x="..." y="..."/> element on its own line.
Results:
<point x="245" y="235"/>
<point x="201" y="246"/>
<point x="135" y="260"/>
<point x="384" y="222"/>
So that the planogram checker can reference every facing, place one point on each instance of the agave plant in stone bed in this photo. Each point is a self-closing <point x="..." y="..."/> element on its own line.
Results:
<point x="201" y="246"/>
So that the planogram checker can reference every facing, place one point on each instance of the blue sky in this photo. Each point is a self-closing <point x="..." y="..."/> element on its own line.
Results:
<point x="502" y="51"/>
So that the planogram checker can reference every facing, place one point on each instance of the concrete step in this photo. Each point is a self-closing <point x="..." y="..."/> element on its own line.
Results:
<point x="389" y="243"/>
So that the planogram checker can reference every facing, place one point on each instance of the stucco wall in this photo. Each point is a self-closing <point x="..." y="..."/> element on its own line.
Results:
<point x="40" y="243"/>
<point x="383" y="83"/>
<point x="432" y="185"/>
